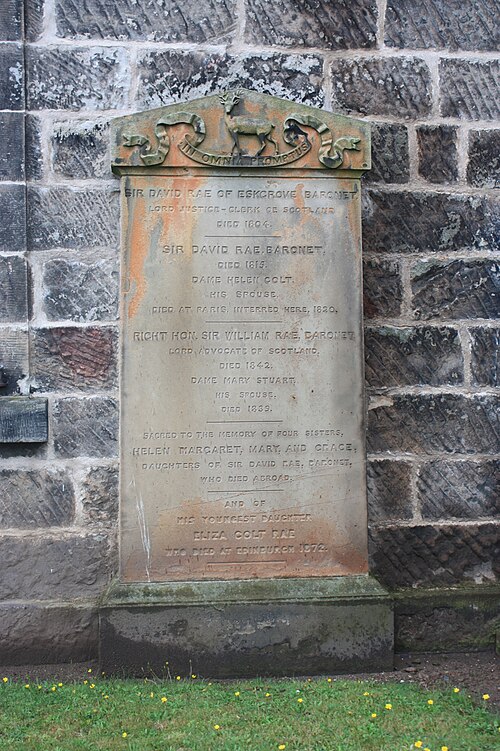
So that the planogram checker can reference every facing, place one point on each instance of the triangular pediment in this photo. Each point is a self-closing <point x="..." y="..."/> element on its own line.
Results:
<point x="239" y="129"/>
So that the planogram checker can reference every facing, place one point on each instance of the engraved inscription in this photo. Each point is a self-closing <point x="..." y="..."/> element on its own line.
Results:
<point x="242" y="433"/>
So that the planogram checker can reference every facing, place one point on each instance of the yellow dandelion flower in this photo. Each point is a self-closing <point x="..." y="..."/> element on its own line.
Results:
<point x="216" y="727"/>
<point x="124" y="735"/>
<point x="106" y="696"/>
<point x="92" y="685"/>
<point x="282" y="747"/>
<point x="85" y="683"/>
<point x="5" y="680"/>
<point x="236" y="693"/>
<point x="444" y="748"/>
<point x="388" y="706"/>
<point x="26" y="685"/>
<point x="89" y="670"/>
<point x="430" y="702"/>
<point x="366" y="693"/>
<point x="329" y="680"/>
<point x="427" y="748"/>
<point x="299" y="701"/>
<point x="193" y="675"/>
<point x="486" y="697"/>
<point x="418" y="744"/>
<point x="267" y="695"/>
<point x="53" y="688"/>
<point x="456" y="690"/>
<point x="151" y="695"/>
<point x="177" y="677"/>
<point x="163" y="699"/>
<point x="374" y="714"/>
<point x="59" y="684"/>
<point x="39" y="687"/>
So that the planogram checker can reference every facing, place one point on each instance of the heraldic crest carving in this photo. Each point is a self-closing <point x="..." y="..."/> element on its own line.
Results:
<point x="260" y="129"/>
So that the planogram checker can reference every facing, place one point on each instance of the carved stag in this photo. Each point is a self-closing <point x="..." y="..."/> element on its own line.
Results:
<point x="245" y="126"/>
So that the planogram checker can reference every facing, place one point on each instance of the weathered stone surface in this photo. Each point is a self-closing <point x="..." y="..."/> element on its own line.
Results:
<point x="63" y="633"/>
<point x="12" y="140"/>
<point x="188" y="21"/>
<point x="459" y="490"/>
<point x="456" y="289"/>
<point x="85" y="427"/>
<point x="23" y="420"/>
<point x="62" y="217"/>
<point x="100" y="496"/>
<point x="332" y="380"/>
<point x="80" y="149"/>
<point x="390" y="157"/>
<point x="48" y="568"/>
<point x="447" y="621"/>
<point x="483" y="169"/>
<point x="33" y="19"/>
<point x="33" y="156"/>
<point x="35" y="498"/>
<point x="425" y="423"/>
<point x="421" y="24"/>
<point x="13" y="358"/>
<point x="382" y="288"/>
<point x="437" y="153"/>
<point x="74" y="359"/>
<point x="392" y="87"/>
<point x="389" y="491"/>
<point x="412" y="356"/>
<point x="305" y="23"/>
<point x="171" y="76"/>
<point x="338" y="625"/>
<point x="11" y="77"/>
<point x="75" y="78"/>
<point x="11" y="16"/>
<point x="485" y="362"/>
<point x="425" y="555"/>
<point x="13" y="289"/>
<point x="13" y="213"/>
<point x="427" y="222"/>
<point x="469" y="89"/>
<point x="81" y="289"/>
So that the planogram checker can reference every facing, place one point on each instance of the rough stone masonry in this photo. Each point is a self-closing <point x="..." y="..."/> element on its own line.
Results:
<point x="425" y="73"/>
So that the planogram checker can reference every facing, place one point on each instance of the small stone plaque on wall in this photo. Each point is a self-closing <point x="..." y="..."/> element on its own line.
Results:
<point x="242" y="448"/>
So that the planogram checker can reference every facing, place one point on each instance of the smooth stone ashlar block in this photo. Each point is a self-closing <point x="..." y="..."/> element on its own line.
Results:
<point x="247" y="628"/>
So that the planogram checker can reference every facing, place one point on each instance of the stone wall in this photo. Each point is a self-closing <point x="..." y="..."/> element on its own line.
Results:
<point x="425" y="74"/>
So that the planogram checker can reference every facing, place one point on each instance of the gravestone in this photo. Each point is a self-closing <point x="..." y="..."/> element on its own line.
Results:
<point x="243" y="501"/>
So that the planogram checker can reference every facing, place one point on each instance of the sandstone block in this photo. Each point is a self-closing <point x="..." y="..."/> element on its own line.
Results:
<point x="74" y="359"/>
<point x="35" y="498"/>
<point x="85" y="427"/>
<point x="412" y="356"/>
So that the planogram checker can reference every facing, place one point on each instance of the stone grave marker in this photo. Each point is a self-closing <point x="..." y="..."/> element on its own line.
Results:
<point x="242" y="447"/>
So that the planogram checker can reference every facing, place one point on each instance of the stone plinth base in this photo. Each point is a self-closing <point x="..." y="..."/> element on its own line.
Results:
<point x="229" y="629"/>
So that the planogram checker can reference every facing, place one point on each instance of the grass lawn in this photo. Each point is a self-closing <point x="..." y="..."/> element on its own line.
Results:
<point x="321" y="714"/>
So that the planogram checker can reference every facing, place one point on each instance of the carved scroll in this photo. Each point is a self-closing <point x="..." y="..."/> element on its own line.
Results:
<point x="150" y="157"/>
<point x="331" y="153"/>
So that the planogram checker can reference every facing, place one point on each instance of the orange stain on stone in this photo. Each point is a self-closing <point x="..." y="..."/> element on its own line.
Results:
<point x="136" y="281"/>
